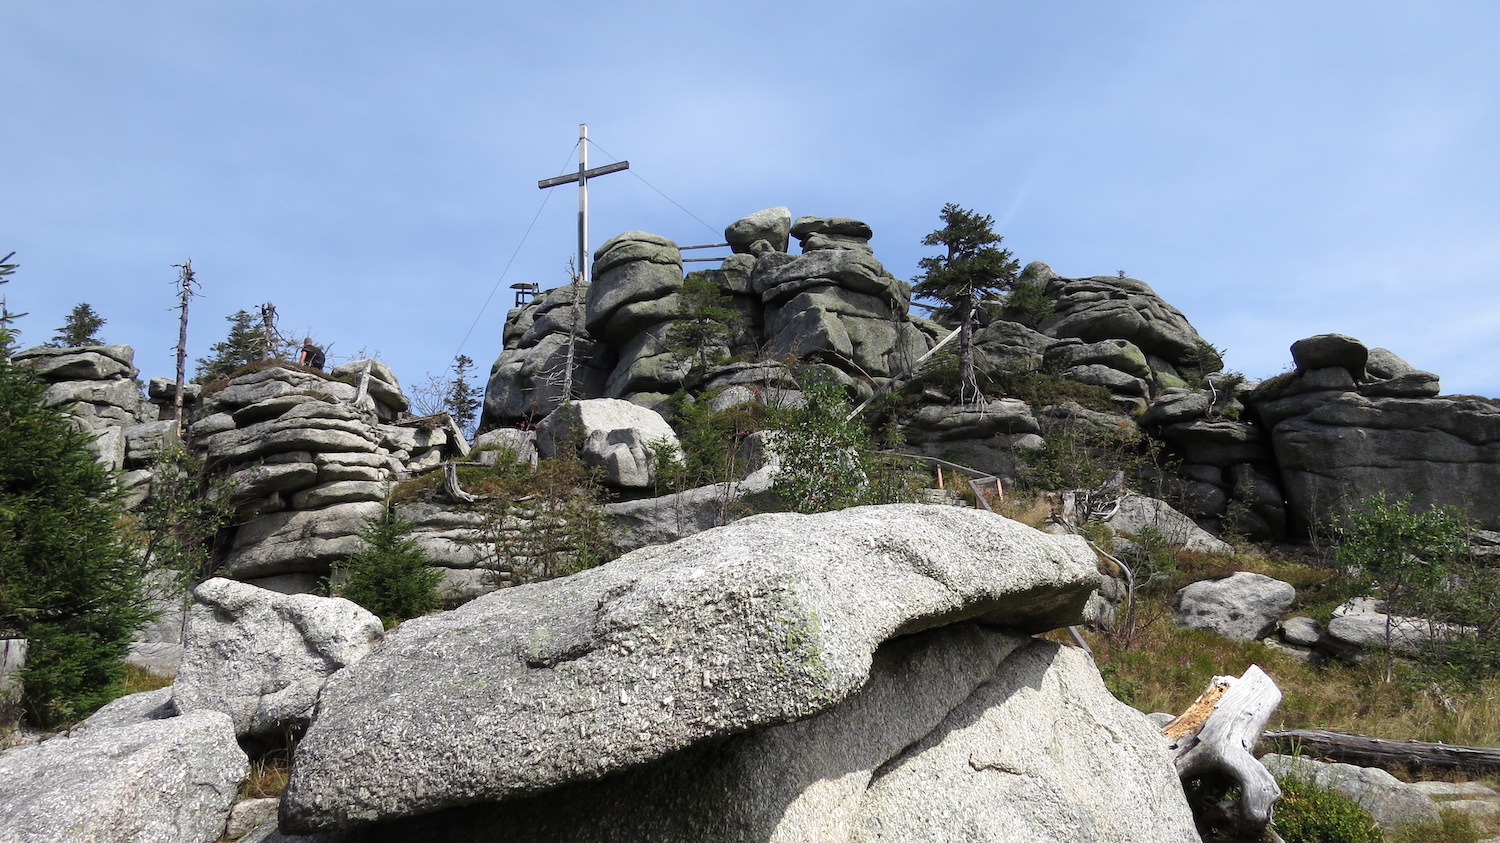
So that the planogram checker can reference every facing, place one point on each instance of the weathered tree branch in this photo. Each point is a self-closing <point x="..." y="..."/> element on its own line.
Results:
<point x="1216" y="734"/>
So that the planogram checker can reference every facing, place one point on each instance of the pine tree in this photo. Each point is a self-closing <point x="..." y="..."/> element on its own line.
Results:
<point x="972" y="268"/>
<point x="391" y="576"/>
<point x="69" y="582"/>
<point x="81" y="328"/>
<point x="463" y="400"/>
<point x="246" y="343"/>
<point x="705" y="322"/>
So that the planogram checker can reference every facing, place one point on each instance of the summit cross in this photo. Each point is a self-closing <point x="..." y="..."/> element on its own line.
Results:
<point x="582" y="177"/>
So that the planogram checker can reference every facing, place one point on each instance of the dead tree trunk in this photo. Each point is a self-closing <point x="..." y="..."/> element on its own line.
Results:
<point x="1215" y="736"/>
<point x="1376" y="752"/>
<point x="12" y="660"/>
<point x="185" y="278"/>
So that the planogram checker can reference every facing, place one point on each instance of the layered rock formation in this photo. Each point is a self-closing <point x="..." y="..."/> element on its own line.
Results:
<point x="1351" y="421"/>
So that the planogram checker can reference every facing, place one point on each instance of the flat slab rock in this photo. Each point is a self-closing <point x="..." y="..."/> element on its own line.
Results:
<point x="769" y="620"/>
<point x="1005" y="738"/>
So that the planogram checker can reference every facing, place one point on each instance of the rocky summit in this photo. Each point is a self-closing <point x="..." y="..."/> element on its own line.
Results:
<point x="869" y="674"/>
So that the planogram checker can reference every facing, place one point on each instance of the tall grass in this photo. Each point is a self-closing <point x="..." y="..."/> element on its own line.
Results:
<point x="1168" y="667"/>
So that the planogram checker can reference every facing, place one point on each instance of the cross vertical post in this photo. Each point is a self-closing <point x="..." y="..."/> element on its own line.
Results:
<point x="582" y="177"/>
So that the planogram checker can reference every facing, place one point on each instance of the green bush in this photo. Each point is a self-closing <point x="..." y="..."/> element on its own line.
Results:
<point x="541" y="523"/>
<point x="829" y="461"/>
<point x="69" y="581"/>
<point x="391" y="576"/>
<point x="1310" y="813"/>
<point x="710" y="442"/>
<point x="1420" y="563"/>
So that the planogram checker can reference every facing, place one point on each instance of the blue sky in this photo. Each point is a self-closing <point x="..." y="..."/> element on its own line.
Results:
<point x="1273" y="169"/>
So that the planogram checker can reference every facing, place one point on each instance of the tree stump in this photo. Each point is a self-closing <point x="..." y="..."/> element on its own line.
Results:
<point x="12" y="659"/>
<point x="1214" y="737"/>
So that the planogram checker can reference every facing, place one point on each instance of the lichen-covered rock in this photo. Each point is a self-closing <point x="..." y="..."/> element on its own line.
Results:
<point x="261" y="657"/>
<point x="165" y="780"/>
<point x="770" y="619"/>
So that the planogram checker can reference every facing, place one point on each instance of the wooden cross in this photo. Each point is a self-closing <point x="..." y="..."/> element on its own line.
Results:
<point x="582" y="177"/>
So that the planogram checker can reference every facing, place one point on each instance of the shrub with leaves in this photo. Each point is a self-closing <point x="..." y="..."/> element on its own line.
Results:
<point x="542" y="523"/>
<point x="829" y="461"/>
<point x="1310" y="813"/>
<point x="69" y="582"/>
<point x="185" y="509"/>
<point x="1418" y="561"/>
<point x="710" y="442"/>
<point x="392" y="577"/>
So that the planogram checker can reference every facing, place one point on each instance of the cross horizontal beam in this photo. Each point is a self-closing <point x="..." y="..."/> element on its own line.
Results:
<point x="586" y="174"/>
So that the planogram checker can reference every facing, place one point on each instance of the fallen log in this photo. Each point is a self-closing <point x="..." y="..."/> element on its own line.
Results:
<point x="1378" y="752"/>
<point x="1214" y="738"/>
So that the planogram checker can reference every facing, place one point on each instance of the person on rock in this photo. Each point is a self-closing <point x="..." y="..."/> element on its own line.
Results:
<point x="311" y="356"/>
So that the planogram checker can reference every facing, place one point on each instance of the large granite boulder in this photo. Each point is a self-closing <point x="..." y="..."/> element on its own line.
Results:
<point x="772" y="226"/>
<point x="1003" y="416"/>
<point x="769" y="620"/>
<point x="1328" y="350"/>
<point x="298" y="541"/>
<point x="1005" y="346"/>
<point x="821" y="233"/>
<point x="1004" y="738"/>
<point x="527" y="383"/>
<point x="665" y="519"/>
<point x="610" y="434"/>
<point x="1242" y="606"/>
<point x="851" y="270"/>
<point x="165" y="780"/>
<point x="262" y="657"/>
<point x="1137" y="514"/>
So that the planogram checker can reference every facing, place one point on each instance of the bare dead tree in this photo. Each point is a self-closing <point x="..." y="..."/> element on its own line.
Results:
<point x="187" y="283"/>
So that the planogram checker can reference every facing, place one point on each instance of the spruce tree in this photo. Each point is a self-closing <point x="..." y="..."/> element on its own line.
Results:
<point x="69" y="582"/>
<point x="972" y="268"/>
<point x="705" y="322"/>
<point x="246" y="343"/>
<point x="81" y="328"/>
<point x="463" y="400"/>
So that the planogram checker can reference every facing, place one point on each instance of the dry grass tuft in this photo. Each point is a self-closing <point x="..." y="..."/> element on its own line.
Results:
<point x="138" y="679"/>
